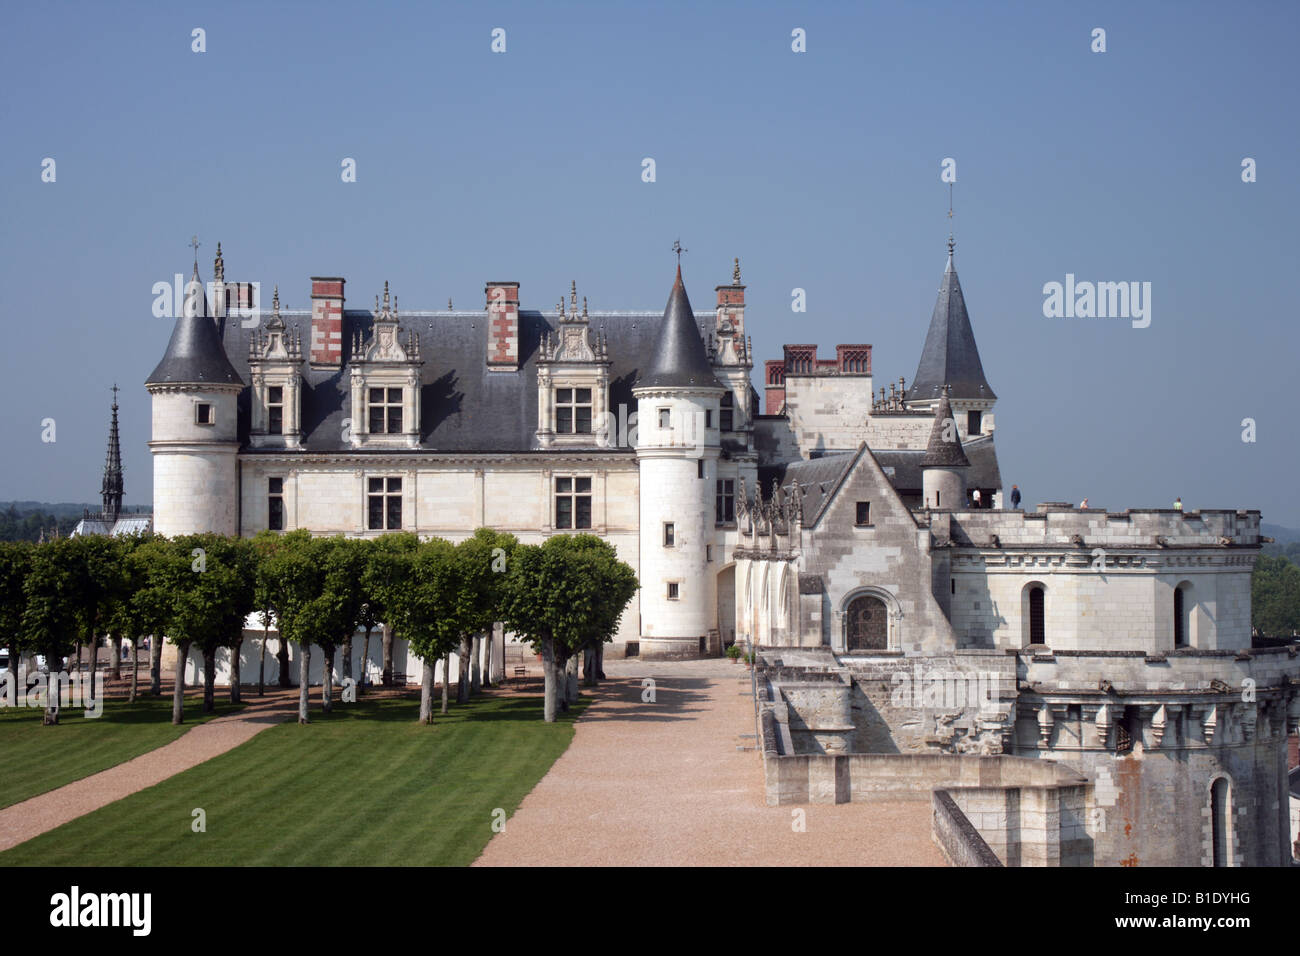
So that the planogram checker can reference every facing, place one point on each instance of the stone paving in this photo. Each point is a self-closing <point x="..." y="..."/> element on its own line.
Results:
<point x="662" y="783"/>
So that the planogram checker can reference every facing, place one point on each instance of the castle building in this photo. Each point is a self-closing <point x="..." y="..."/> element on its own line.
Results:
<point x="858" y="539"/>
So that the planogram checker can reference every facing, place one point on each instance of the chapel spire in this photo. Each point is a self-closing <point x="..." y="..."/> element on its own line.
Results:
<point x="950" y="356"/>
<point x="112" y="487"/>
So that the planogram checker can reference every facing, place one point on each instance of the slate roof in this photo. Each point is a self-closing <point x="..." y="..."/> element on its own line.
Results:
<point x="818" y="478"/>
<point x="464" y="407"/>
<point x="679" y="359"/>
<point x="944" y="448"/>
<point x="950" y="356"/>
<point x="906" y="465"/>
<point x="194" y="353"/>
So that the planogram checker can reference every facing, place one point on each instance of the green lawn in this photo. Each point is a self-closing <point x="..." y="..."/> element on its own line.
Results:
<point x="34" y="759"/>
<point x="365" y="787"/>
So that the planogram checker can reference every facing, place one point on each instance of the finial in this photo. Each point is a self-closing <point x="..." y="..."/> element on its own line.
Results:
<point x="584" y="306"/>
<point x="735" y="273"/>
<point x="950" y="242"/>
<point x="573" y="296"/>
<point x="385" y="295"/>
<point x="219" y="267"/>
<point x="449" y="304"/>
<point x="194" y="241"/>
<point x="376" y="305"/>
<point x="677" y="248"/>
<point x="275" y="300"/>
<point x="115" y="390"/>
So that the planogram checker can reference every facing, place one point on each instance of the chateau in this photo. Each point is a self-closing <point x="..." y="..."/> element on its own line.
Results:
<point x="858" y="536"/>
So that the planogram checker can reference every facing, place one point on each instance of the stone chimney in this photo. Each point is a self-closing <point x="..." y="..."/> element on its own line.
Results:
<point x="326" y="320"/>
<point x="503" y="326"/>
<point x="773" y="386"/>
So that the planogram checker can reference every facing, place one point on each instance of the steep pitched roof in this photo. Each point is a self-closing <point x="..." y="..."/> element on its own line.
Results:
<point x="679" y="359"/>
<point x="944" y="449"/>
<point x="195" y="355"/>
<point x="950" y="356"/>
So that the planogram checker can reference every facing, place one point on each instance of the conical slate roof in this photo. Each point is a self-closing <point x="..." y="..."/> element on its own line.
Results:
<point x="950" y="356"/>
<point x="195" y="355"/>
<point x="944" y="449"/>
<point x="679" y="358"/>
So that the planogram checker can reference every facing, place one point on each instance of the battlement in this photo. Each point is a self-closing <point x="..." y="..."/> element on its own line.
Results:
<point x="1056" y="526"/>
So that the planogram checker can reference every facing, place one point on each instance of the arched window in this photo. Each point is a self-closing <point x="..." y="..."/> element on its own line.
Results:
<point x="1220" y="821"/>
<point x="1034" y="610"/>
<point x="866" y="624"/>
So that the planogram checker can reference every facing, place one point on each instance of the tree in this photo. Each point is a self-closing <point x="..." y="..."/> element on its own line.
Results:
<point x="265" y="544"/>
<point x="132" y="615"/>
<point x="49" y="620"/>
<point x="483" y="560"/>
<point x="293" y="582"/>
<point x="337" y="609"/>
<point x="552" y="597"/>
<point x="615" y="586"/>
<point x="96" y="584"/>
<point x="15" y="565"/>
<point x="426" y="609"/>
<point x="1275" y="596"/>
<point x="388" y="557"/>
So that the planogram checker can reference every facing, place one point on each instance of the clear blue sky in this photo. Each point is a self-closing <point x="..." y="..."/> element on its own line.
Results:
<point x="820" y="170"/>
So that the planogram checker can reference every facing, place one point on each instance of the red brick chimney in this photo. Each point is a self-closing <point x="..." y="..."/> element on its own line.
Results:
<point x="773" y="386"/>
<point x="326" y="320"/>
<point x="503" y="326"/>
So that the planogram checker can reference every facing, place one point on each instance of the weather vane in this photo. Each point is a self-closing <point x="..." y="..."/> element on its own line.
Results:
<point x="677" y="248"/>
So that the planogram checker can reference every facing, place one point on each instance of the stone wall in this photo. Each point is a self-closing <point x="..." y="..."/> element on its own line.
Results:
<point x="960" y="842"/>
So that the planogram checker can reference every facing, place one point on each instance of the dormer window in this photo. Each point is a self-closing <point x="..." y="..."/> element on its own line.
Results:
<point x="203" y="414"/>
<point x="275" y="410"/>
<point x="573" y="411"/>
<point x="385" y="411"/>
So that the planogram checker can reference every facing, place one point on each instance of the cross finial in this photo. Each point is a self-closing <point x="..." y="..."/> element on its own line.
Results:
<point x="950" y="242"/>
<point x="115" y="390"/>
<point x="677" y="248"/>
<point x="194" y="241"/>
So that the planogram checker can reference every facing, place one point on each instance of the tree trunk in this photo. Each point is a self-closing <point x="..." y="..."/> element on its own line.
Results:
<point x="51" y="716"/>
<point x="347" y="658"/>
<point x="589" y="666"/>
<point x="600" y="661"/>
<point x="13" y="658"/>
<point x="116" y="646"/>
<point x="304" y="670"/>
<point x="135" y="667"/>
<point x="426" y="691"/>
<point x="76" y="663"/>
<point x="94" y="666"/>
<point x="486" y="656"/>
<point x="282" y="655"/>
<point x="155" y="666"/>
<point x="446" y="680"/>
<point x="236" y="670"/>
<point x="365" y="658"/>
<point x="327" y="679"/>
<point x="571" y="679"/>
<point x="209" y="680"/>
<point x="462" y="672"/>
<point x="550" y="694"/>
<point x="388" y="656"/>
<point x="178" y="688"/>
<point x="261" y="664"/>
<point x="475" y="665"/>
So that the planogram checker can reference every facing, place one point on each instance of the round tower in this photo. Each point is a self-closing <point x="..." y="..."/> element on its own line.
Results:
<point x="677" y="450"/>
<point x="195" y="438"/>
<point x="943" y="467"/>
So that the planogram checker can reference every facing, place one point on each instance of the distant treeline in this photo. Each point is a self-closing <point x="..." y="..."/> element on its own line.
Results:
<point x="25" y="520"/>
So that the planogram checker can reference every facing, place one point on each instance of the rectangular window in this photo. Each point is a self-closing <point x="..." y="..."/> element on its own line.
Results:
<point x="275" y="504"/>
<point x="203" y="413"/>
<point x="973" y="422"/>
<point x="725" y="503"/>
<point x="670" y="535"/>
<point x="384" y="504"/>
<point x="699" y="468"/>
<point x="672" y="591"/>
<point x="385" y="411"/>
<point x="726" y="417"/>
<point x="708" y="552"/>
<point x="572" y="503"/>
<point x="573" y="411"/>
<point x="864" y="512"/>
<point x="275" y="410"/>
<point x="665" y="418"/>
<point x="708" y="418"/>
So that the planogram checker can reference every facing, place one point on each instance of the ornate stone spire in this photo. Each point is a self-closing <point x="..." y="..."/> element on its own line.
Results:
<point x="112" y="487"/>
<point x="735" y="273"/>
<point x="219" y="267"/>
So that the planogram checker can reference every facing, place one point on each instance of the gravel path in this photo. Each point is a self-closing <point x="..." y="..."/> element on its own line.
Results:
<point x="22" y="821"/>
<point x="662" y="784"/>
